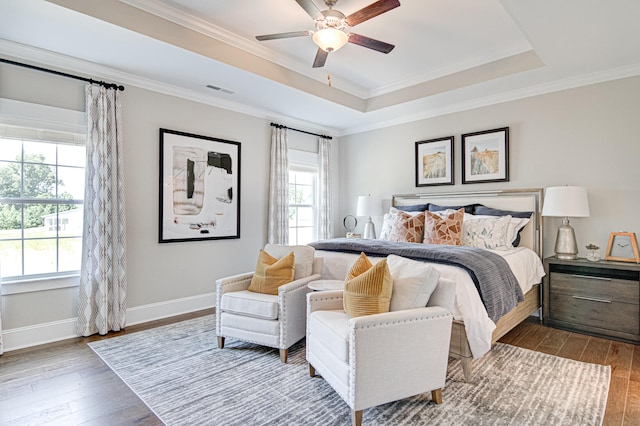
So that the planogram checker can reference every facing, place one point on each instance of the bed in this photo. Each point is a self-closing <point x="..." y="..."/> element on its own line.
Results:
<point x="474" y="330"/>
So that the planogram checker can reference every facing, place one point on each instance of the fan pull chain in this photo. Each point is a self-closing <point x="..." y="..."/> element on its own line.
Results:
<point x="329" y="79"/>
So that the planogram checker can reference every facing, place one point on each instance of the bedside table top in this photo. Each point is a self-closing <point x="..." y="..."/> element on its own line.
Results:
<point x="583" y="262"/>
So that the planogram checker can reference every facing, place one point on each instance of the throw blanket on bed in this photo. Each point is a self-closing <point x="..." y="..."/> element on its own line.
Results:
<point x="498" y="288"/>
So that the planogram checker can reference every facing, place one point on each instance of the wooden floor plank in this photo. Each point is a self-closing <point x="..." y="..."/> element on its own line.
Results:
<point x="66" y="383"/>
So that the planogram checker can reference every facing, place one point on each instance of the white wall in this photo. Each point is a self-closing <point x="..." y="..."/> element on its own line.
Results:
<point x="163" y="279"/>
<point x="587" y="136"/>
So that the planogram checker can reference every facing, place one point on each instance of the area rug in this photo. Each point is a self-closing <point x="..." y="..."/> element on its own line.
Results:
<point x="179" y="372"/>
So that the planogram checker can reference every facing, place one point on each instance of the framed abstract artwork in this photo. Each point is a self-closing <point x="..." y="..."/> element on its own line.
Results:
<point x="485" y="156"/>
<point x="434" y="162"/>
<point x="199" y="187"/>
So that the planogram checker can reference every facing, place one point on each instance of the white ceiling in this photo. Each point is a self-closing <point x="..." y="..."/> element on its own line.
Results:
<point x="450" y="55"/>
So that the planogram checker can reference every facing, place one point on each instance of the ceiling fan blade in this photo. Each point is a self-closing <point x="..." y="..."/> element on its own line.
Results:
<point x="370" y="43"/>
<point x="371" y="11"/>
<point x="321" y="58"/>
<point x="284" y="35"/>
<point x="309" y="7"/>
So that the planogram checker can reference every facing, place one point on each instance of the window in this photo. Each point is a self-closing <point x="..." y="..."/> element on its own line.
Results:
<point x="302" y="204"/>
<point x="41" y="205"/>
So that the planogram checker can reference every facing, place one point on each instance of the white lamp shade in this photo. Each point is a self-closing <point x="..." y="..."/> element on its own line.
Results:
<point x="330" y="39"/>
<point x="369" y="206"/>
<point x="566" y="201"/>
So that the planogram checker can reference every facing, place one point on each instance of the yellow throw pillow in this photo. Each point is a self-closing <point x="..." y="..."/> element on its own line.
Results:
<point x="271" y="273"/>
<point x="367" y="288"/>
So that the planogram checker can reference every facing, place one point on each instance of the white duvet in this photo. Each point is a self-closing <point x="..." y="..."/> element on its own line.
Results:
<point x="525" y="265"/>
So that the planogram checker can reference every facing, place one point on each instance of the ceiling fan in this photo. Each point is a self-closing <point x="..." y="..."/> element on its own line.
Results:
<point x="332" y="28"/>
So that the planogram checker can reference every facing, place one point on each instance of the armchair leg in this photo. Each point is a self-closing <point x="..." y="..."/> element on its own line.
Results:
<point x="436" y="396"/>
<point x="220" y="342"/>
<point x="284" y="353"/>
<point x="356" y="418"/>
<point x="312" y="371"/>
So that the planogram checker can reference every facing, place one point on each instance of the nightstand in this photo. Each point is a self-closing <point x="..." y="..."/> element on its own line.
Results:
<point x="600" y="298"/>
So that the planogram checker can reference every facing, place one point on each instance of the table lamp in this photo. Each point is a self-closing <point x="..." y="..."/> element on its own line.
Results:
<point x="566" y="202"/>
<point x="369" y="206"/>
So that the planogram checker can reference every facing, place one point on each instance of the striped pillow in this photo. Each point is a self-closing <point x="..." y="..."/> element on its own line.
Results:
<point x="271" y="273"/>
<point x="367" y="288"/>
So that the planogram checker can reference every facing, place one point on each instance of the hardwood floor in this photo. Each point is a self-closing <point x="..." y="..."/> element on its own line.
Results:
<point x="65" y="383"/>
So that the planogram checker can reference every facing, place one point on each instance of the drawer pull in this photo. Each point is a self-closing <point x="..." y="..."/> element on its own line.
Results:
<point x="590" y="277"/>
<point x="592" y="299"/>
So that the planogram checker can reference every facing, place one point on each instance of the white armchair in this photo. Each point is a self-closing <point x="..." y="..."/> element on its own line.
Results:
<point x="277" y="321"/>
<point x="376" y="359"/>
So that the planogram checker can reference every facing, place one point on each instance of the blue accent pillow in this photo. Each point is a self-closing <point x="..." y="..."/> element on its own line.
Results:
<point x="467" y="209"/>
<point x="416" y="208"/>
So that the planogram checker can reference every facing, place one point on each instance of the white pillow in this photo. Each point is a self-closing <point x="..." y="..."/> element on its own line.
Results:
<point x="413" y="282"/>
<point x="515" y="225"/>
<point x="303" y="257"/>
<point x="487" y="233"/>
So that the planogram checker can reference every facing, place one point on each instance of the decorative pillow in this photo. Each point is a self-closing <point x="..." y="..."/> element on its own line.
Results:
<point x="271" y="273"/>
<point x="490" y="233"/>
<point x="406" y="227"/>
<point x="367" y="288"/>
<point x="413" y="282"/>
<point x="516" y="225"/>
<point x="387" y="223"/>
<point x="443" y="230"/>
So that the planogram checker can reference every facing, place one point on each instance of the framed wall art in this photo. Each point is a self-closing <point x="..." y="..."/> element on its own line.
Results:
<point x="434" y="162"/>
<point x="199" y="187"/>
<point x="485" y="156"/>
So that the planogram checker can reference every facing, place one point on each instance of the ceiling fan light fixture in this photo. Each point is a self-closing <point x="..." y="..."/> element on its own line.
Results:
<point x="330" y="39"/>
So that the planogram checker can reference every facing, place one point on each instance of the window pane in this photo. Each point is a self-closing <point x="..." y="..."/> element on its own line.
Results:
<point x="39" y="256"/>
<point x="10" y="177"/>
<point x="40" y="152"/>
<point x="11" y="255"/>
<point x="70" y="254"/>
<point x="305" y="216"/>
<point x="10" y="149"/>
<point x="305" y="235"/>
<point x="40" y="220"/>
<point x="293" y="218"/>
<point x="71" y="183"/>
<point x="305" y="195"/>
<point x="293" y="236"/>
<point x="71" y="155"/>
<point x="10" y="221"/>
<point x="70" y="221"/>
<point x="39" y="181"/>
<point x="304" y="178"/>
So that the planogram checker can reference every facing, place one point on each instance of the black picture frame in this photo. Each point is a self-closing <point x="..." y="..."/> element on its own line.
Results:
<point x="434" y="162"/>
<point x="199" y="188"/>
<point x="485" y="156"/>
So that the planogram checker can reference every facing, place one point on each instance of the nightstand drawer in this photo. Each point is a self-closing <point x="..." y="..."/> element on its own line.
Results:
<point x="592" y="311"/>
<point x="592" y="287"/>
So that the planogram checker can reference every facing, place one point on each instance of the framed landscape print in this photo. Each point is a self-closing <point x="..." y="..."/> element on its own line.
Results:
<point x="434" y="162"/>
<point x="485" y="156"/>
<point x="199" y="187"/>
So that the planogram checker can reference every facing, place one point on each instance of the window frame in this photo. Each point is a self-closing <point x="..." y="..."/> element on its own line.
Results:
<point x="41" y="123"/>
<point x="303" y="161"/>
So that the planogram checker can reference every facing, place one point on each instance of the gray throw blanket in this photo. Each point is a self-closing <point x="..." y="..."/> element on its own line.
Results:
<point x="498" y="288"/>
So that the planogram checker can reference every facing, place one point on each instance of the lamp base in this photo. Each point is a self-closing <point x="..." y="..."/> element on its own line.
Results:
<point x="369" y="232"/>
<point x="566" y="245"/>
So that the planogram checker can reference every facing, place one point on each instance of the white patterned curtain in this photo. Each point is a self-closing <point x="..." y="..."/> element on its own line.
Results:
<point x="279" y="188"/>
<point x="103" y="277"/>
<point x="324" y="190"/>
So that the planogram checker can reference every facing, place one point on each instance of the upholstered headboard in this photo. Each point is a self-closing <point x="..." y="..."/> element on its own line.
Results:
<point x="511" y="199"/>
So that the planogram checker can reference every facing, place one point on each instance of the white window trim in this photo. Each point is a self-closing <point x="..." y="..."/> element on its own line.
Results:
<point x="43" y="117"/>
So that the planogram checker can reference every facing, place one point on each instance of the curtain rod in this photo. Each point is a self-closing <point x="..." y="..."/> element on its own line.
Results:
<point x="280" y="126"/>
<point x="88" y="80"/>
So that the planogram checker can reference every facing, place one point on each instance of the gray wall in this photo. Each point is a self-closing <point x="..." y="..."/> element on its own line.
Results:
<point x="586" y="136"/>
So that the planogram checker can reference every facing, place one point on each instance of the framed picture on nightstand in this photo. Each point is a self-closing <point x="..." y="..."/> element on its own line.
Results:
<point x="623" y="247"/>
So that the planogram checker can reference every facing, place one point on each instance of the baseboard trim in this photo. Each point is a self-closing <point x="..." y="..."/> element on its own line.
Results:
<point x="54" y="331"/>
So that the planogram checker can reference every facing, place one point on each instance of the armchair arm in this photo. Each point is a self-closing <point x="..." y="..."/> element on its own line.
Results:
<point x="292" y="305"/>
<point x="324" y="301"/>
<point x="224" y="285"/>
<point x="405" y="350"/>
